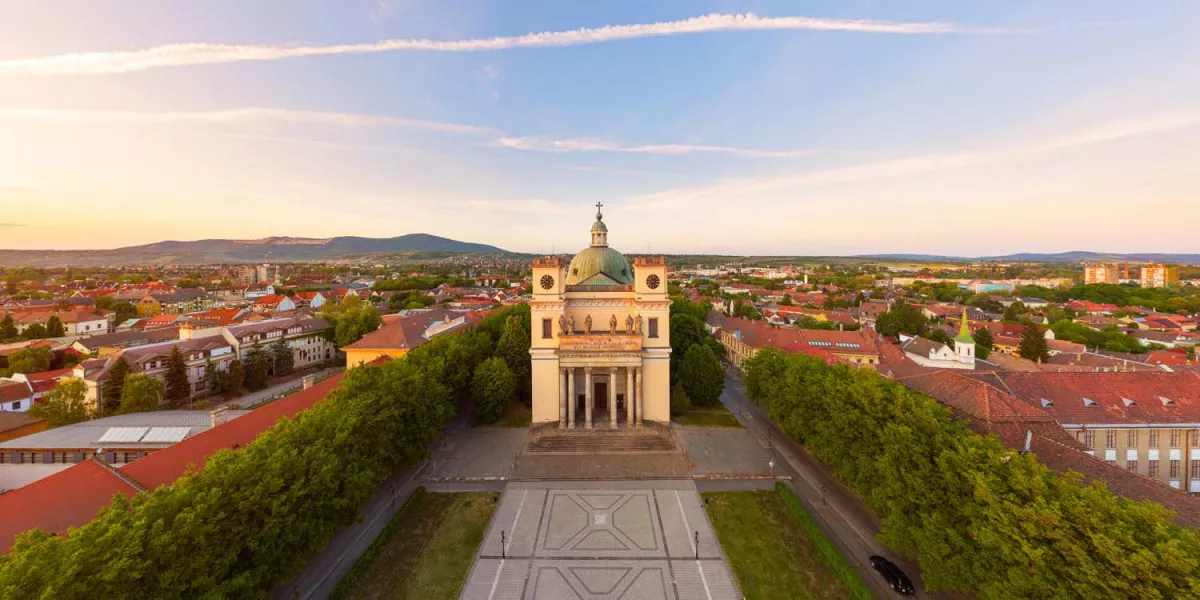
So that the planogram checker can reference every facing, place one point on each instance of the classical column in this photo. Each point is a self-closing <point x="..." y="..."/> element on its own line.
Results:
<point x="587" y="395"/>
<point x="571" y="397"/>
<point x="641" y="394"/>
<point x="629" y="398"/>
<point x="562" y="398"/>
<point x="612" y="397"/>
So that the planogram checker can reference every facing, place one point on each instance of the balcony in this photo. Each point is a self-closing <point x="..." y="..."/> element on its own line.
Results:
<point x="600" y="288"/>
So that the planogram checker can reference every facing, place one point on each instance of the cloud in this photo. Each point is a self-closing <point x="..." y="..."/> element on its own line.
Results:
<point x="922" y="163"/>
<point x="589" y="145"/>
<point x="200" y="53"/>
<point x="236" y="115"/>
<point x="12" y="224"/>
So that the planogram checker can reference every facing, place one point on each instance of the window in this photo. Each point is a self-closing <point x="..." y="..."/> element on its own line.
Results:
<point x="1131" y="465"/>
<point x="1153" y="470"/>
<point x="547" y="331"/>
<point x="1196" y="469"/>
<point x="1110" y="438"/>
<point x="653" y="327"/>
<point x="1174" y="438"/>
<point x="17" y="405"/>
<point x="1153" y="438"/>
<point x="1174" y="469"/>
<point x="1089" y="439"/>
<point x="1131" y="438"/>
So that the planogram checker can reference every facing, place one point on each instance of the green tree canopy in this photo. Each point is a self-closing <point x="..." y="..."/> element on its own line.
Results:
<point x="142" y="393"/>
<point x="901" y="318"/>
<point x="63" y="405"/>
<point x="114" y="382"/>
<point x="233" y="377"/>
<point x="31" y="359"/>
<point x="178" y="386"/>
<point x="258" y="367"/>
<point x="984" y="341"/>
<point x="492" y="387"/>
<point x="54" y="328"/>
<point x="680" y="403"/>
<point x="8" y="329"/>
<point x="513" y="347"/>
<point x="1033" y="344"/>
<point x="702" y="376"/>
<point x="283" y="359"/>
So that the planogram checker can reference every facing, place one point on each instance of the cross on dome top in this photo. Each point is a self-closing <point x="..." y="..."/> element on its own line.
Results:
<point x="599" y="217"/>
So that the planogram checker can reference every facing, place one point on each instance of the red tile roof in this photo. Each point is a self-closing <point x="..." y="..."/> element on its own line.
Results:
<point x="270" y="300"/>
<point x="1109" y="392"/>
<point x="56" y="503"/>
<point x="169" y="464"/>
<point x="973" y="397"/>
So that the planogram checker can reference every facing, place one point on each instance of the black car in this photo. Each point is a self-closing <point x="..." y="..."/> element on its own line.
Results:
<point x="893" y="575"/>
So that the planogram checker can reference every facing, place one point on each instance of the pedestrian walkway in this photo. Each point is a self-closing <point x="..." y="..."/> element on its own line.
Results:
<point x="611" y="540"/>
<point x="277" y="390"/>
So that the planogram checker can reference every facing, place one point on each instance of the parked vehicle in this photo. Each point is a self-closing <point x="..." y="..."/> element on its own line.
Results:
<point x="893" y="575"/>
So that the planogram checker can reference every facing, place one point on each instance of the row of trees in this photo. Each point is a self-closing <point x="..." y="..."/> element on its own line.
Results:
<point x="980" y="519"/>
<point x="53" y="328"/>
<point x="505" y="373"/>
<point x="254" y="516"/>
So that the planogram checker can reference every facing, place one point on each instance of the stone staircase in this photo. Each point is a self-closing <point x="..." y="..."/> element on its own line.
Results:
<point x="649" y="439"/>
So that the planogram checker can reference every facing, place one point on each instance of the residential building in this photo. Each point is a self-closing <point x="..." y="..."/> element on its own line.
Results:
<point x="273" y="304"/>
<point x="15" y="396"/>
<point x="407" y="330"/>
<point x="1150" y="420"/>
<point x="928" y="353"/>
<point x="1157" y="276"/>
<point x="199" y="355"/>
<point x="313" y="300"/>
<point x="308" y="338"/>
<point x="1100" y="273"/>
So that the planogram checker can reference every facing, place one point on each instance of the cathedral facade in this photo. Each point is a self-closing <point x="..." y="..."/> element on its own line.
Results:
<point x="601" y="340"/>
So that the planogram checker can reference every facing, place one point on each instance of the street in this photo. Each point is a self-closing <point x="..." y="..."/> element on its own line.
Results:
<point x="841" y="513"/>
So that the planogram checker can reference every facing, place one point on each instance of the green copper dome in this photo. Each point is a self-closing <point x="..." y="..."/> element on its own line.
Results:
<point x="599" y="266"/>
<point x="964" y="332"/>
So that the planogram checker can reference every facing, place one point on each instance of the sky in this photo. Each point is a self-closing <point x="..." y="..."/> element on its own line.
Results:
<point x="757" y="127"/>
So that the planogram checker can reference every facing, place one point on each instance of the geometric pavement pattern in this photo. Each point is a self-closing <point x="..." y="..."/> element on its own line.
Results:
<point x="596" y="541"/>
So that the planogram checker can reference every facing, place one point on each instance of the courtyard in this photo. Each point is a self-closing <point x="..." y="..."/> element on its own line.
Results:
<point x="600" y="539"/>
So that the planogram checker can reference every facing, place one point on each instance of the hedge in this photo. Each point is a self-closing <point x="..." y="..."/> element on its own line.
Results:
<point x="979" y="518"/>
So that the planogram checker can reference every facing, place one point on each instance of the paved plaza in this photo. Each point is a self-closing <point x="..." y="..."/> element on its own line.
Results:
<point x="601" y="540"/>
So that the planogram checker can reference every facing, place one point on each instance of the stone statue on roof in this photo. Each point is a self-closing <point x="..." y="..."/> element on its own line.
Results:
<point x="612" y="324"/>
<point x="562" y="324"/>
<point x="629" y="323"/>
<point x="587" y="324"/>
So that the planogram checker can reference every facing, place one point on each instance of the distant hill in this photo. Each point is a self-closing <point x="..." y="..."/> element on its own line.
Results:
<point x="273" y="249"/>
<point x="1060" y="257"/>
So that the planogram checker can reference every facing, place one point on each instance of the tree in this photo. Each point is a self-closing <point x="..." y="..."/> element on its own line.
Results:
<point x="31" y="359"/>
<point x="686" y="331"/>
<point x="178" y="386"/>
<point x="1033" y="344"/>
<point x="105" y="302"/>
<point x="258" y="365"/>
<point x="36" y="331"/>
<point x="901" y="318"/>
<point x="65" y="404"/>
<point x="351" y="319"/>
<point x="984" y="341"/>
<point x="680" y="403"/>
<point x="233" y="378"/>
<point x="114" y="382"/>
<point x="938" y="335"/>
<point x="513" y="347"/>
<point x="212" y="377"/>
<point x="786" y="301"/>
<point x="8" y="329"/>
<point x="283" y="359"/>
<point x="142" y="393"/>
<point x="124" y="311"/>
<point x="492" y="388"/>
<point x="1014" y="311"/>
<point x="702" y="376"/>
<point x="745" y="310"/>
<point x="54" y="327"/>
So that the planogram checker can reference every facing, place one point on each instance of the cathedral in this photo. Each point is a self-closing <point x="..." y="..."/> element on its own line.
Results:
<point x="601" y="340"/>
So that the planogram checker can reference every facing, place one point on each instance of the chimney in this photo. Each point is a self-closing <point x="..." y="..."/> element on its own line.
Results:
<point x="218" y="416"/>
<point x="308" y="381"/>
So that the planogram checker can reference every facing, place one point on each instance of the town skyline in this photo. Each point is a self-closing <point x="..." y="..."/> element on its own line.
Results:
<point x="725" y="128"/>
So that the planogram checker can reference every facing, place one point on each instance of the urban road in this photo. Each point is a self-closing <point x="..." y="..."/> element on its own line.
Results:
<point x="840" y="512"/>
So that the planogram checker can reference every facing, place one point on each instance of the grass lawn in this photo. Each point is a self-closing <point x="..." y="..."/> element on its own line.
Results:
<point x="516" y="414"/>
<point x="772" y="554"/>
<point x="707" y="416"/>
<point x="425" y="552"/>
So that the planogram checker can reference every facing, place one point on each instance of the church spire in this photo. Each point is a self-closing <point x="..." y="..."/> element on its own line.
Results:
<point x="964" y="331"/>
